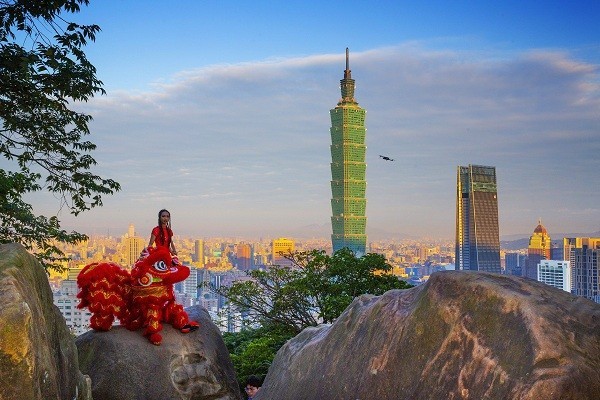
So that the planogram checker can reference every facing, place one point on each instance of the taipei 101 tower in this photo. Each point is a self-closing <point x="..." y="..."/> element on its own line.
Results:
<point x="348" y="184"/>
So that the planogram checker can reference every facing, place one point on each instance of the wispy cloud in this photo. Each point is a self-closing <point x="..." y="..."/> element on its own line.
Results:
<point x="245" y="147"/>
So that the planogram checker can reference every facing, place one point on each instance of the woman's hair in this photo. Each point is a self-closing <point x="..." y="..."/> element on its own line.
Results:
<point x="161" y="232"/>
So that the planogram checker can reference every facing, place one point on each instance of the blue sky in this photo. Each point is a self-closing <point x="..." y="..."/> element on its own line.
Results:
<point x="219" y="112"/>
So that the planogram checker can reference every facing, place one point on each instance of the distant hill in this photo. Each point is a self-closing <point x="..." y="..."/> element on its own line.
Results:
<point x="508" y="242"/>
<point x="517" y="244"/>
<point x="324" y="231"/>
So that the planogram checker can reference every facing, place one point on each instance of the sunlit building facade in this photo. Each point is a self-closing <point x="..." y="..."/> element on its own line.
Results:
<point x="199" y="251"/>
<point x="348" y="168"/>
<point x="244" y="256"/>
<point x="477" y="230"/>
<point x="539" y="249"/>
<point x="133" y="247"/>
<point x="279" y="249"/>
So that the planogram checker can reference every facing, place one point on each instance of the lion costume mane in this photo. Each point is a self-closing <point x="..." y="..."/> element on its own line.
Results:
<point x="142" y="298"/>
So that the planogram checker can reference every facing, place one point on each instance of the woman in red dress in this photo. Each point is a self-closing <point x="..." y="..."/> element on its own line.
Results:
<point x="162" y="234"/>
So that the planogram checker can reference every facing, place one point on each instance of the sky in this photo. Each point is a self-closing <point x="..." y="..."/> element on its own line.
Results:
<point x="219" y="112"/>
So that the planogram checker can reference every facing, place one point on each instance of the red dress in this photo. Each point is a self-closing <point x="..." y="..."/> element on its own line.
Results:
<point x="167" y="235"/>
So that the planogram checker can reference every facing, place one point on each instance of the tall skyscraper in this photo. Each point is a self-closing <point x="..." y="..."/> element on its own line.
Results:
<point x="244" y="256"/>
<point x="539" y="249"/>
<point x="199" y="251"/>
<point x="348" y="168"/>
<point x="133" y="246"/>
<point x="477" y="231"/>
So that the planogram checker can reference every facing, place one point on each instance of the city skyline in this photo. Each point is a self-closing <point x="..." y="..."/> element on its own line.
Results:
<point x="226" y="123"/>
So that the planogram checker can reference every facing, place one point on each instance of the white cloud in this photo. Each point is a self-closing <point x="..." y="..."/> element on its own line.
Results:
<point x="246" y="147"/>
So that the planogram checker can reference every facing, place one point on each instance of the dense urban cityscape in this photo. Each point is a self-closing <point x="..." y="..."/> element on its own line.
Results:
<point x="221" y="261"/>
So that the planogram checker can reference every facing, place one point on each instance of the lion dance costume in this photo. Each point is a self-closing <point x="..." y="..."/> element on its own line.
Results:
<point x="142" y="298"/>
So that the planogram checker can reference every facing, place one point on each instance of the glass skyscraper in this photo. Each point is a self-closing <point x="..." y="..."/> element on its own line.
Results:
<point x="477" y="232"/>
<point x="348" y="167"/>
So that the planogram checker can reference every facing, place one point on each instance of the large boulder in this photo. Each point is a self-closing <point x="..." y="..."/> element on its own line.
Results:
<point x="462" y="335"/>
<point x="38" y="357"/>
<point x="123" y="364"/>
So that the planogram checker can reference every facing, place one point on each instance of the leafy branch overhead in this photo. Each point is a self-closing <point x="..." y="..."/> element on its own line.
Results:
<point x="43" y="72"/>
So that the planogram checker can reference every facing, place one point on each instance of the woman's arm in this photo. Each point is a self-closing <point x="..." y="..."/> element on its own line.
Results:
<point x="152" y="238"/>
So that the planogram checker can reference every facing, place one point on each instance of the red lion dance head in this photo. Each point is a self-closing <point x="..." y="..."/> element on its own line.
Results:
<point x="142" y="298"/>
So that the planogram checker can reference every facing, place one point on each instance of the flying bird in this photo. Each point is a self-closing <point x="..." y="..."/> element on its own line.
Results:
<point x="386" y="158"/>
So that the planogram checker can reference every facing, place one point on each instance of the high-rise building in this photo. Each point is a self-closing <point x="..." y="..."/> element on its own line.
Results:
<point x="348" y="168"/>
<point x="190" y="284"/>
<point x="65" y="298"/>
<point x="244" y="256"/>
<point x="199" y="251"/>
<point x="511" y="264"/>
<point x="477" y="231"/>
<point x="555" y="273"/>
<point x="584" y="256"/>
<point x="133" y="247"/>
<point x="539" y="249"/>
<point x="279" y="248"/>
<point x="131" y="231"/>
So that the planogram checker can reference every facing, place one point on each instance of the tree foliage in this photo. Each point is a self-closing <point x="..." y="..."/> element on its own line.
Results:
<point x="316" y="288"/>
<point x="43" y="72"/>
<point x="252" y="350"/>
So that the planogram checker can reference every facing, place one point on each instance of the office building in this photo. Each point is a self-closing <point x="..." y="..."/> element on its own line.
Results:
<point x="539" y="249"/>
<point x="244" y="256"/>
<point x="199" y="251"/>
<point x="190" y="285"/>
<point x="348" y="168"/>
<point x="279" y="249"/>
<point x="584" y="254"/>
<point x="512" y="265"/>
<point x="555" y="273"/>
<point x="133" y="247"/>
<point x="65" y="298"/>
<point x="477" y="231"/>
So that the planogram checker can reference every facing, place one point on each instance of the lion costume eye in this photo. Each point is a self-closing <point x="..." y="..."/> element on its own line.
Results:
<point x="160" y="266"/>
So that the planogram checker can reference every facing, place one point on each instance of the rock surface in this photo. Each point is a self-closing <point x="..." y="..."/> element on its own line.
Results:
<point x="122" y="364"/>
<point x="38" y="357"/>
<point x="462" y="335"/>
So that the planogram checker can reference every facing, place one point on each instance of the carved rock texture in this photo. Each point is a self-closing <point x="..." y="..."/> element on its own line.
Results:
<point x="122" y="364"/>
<point x="38" y="357"/>
<point x="462" y="335"/>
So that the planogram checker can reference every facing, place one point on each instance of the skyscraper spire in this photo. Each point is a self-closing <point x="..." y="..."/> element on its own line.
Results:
<point x="347" y="72"/>
<point x="347" y="84"/>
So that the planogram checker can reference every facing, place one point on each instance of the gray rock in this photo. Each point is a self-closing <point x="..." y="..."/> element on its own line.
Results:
<point x="123" y="364"/>
<point x="38" y="357"/>
<point x="462" y="335"/>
